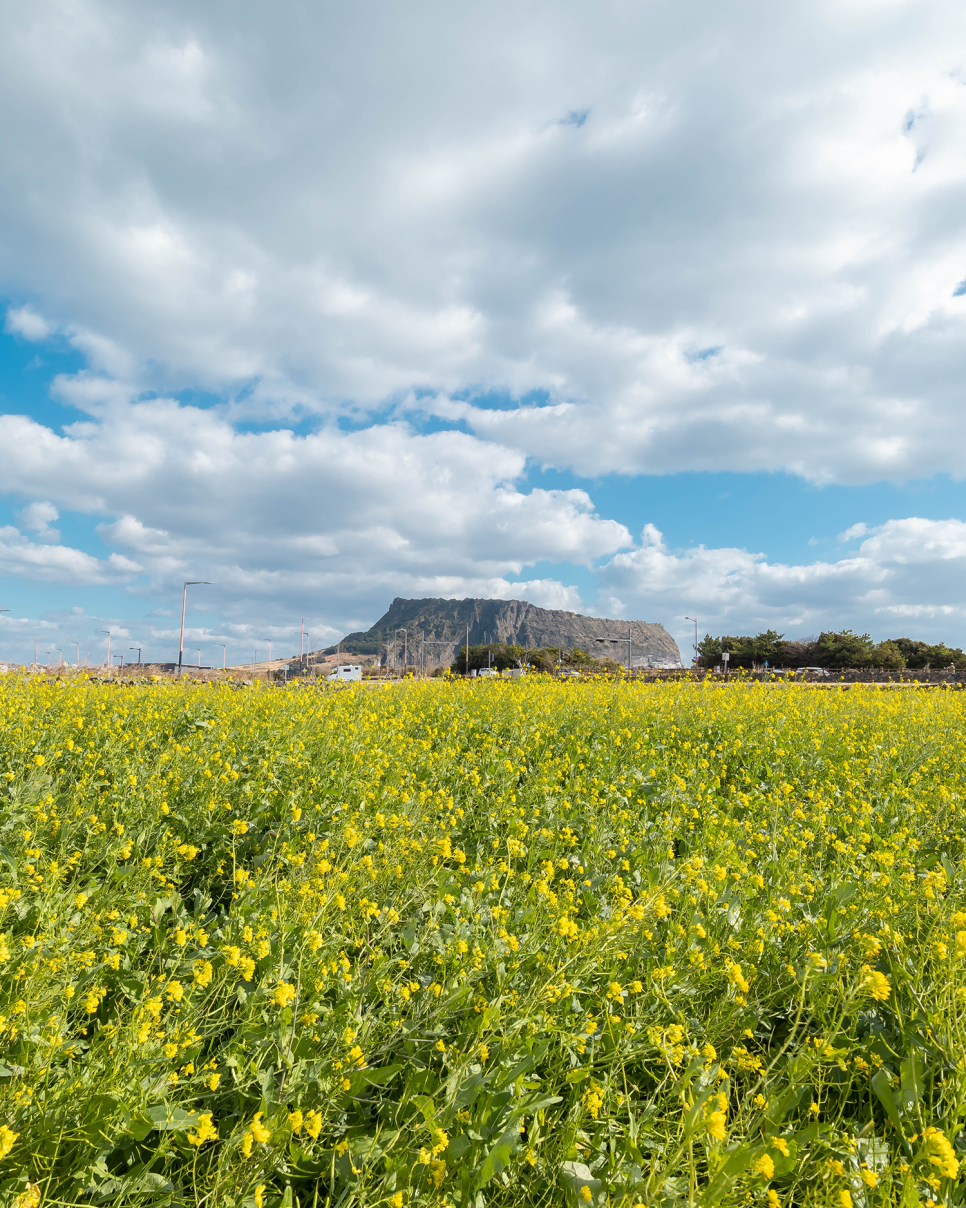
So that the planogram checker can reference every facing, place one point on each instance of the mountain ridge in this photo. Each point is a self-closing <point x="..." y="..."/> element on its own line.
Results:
<point x="442" y="623"/>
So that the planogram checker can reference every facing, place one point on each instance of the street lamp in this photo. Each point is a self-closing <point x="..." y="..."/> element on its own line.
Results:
<point x="184" y="600"/>
<point x="138" y="649"/>
<point x="695" y="620"/>
<point x="224" y="654"/>
<point x="107" y="661"/>
<point x="199" y="654"/>
<point x="629" y="639"/>
<point x="405" y="646"/>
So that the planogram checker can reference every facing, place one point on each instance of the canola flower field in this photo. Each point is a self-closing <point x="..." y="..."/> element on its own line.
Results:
<point x="506" y="944"/>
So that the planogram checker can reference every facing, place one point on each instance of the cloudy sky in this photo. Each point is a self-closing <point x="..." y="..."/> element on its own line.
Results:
<point x="645" y="309"/>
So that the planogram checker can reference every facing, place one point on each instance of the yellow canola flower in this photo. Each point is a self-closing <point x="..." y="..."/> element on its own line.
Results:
<point x="258" y="1129"/>
<point x="875" y="984"/>
<point x="764" y="1166"/>
<point x="715" y="1125"/>
<point x="284" y="994"/>
<point x="7" y="1139"/>
<point x="205" y="1130"/>
<point x="940" y="1153"/>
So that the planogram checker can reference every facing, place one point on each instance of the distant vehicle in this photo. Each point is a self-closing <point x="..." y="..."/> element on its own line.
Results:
<point x="488" y="671"/>
<point x="813" y="670"/>
<point x="346" y="674"/>
<point x="568" y="674"/>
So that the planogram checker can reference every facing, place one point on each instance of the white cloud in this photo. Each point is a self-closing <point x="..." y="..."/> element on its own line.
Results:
<point x="24" y="559"/>
<point x="702" y="237"/>
<point x="334" y="521"/>
<point x="906" y="574"/>
<point x="22" y="321"/>
<point x="745" y="254"/>
<point x="36" y="518"/>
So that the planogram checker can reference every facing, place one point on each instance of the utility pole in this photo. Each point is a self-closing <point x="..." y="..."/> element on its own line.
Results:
<point x="694" y="661"/>
<point x="184" y="600"/>
<point x="224" y="655"/>
<point x="108" y="632"/>
<point x="399" y="629"/>
<point x="301" y="644"/>
<point x="77" y="668"/>
<point x="467" y="668"/>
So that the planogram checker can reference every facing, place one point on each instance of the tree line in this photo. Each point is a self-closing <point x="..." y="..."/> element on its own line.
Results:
<point x="504" y="655"/>
<point x="829" y="650"/>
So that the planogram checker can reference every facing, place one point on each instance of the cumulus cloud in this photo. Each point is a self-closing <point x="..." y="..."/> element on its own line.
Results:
<point x="22" y="558"/>
<point x="905" y="574"/>
<point x="22" y="321"/>
<point x="414" y="251"/>
<point x="708" y="235"/>
<point x="36" y="518"/>
<point x="344" y="518"/>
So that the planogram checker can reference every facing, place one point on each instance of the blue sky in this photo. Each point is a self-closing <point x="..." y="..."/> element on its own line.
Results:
<point x="648" y="311"/>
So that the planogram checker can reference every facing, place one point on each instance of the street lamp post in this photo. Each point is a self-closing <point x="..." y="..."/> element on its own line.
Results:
<point x="108" y="632"/>
<point x="629" y="640"/>
<point x="184" y="600"/>
<point x="405" y="646"/>
<point x="77" y="668"/>
<point x="199" y="656"/>
<point x="224" y="655"/>
<point x="138" y="649"/>
<point x="694" y="661"/>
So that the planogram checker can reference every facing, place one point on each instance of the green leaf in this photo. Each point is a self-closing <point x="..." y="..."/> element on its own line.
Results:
<point x="911" y="1084"/>
<point x="882" y="1088"/>
<point x="139" y="1126"/>
<point x="779" y="1107"/>
<point x="167" y="1117"/>
<point x="576" y="1176"/>
<point x="500" y="1155"/>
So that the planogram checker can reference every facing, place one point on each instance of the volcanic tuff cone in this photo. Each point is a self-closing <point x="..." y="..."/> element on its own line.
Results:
<point x="515" y="622"/>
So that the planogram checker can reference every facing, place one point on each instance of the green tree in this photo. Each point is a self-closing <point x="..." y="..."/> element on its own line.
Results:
<point x="709" y="651"/>
<point x="888" y="655"/>
<point x="845" y="649"/>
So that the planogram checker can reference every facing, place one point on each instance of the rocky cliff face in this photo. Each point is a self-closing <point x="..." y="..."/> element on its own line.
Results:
<point x="443" y="623"/>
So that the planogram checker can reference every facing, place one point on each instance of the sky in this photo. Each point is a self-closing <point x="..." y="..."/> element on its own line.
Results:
<point x="650" y="310"/>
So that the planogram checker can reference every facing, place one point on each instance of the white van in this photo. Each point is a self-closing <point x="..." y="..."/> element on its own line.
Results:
<point x="346" y="674"/>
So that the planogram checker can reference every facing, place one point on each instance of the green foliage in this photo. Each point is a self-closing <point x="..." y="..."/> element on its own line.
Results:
<point x="919" y="655"/>
<point x="743" y="651"/>
<point x="830" y="649"/>
<point x="845" y="649"/>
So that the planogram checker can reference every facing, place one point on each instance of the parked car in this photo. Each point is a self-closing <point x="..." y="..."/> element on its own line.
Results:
<point x="811" y="670"/>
